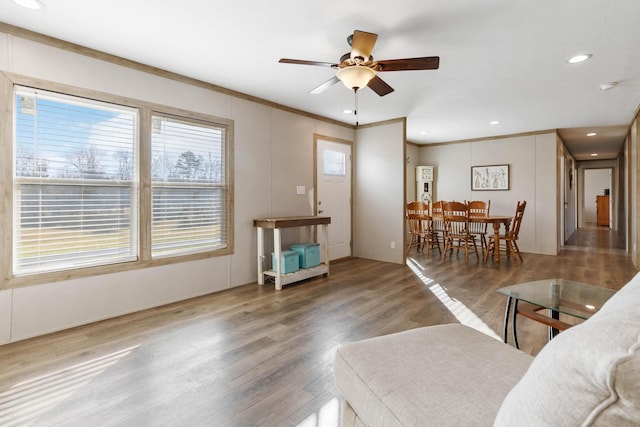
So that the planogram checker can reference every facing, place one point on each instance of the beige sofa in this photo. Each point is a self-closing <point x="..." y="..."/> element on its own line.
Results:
<point x="452" y="375"/>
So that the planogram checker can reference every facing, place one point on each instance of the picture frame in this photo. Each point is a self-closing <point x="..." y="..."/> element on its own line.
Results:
<point x="490" y="178"/>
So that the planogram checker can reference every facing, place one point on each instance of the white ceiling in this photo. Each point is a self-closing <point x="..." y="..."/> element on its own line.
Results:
<point x="500" y="60"/>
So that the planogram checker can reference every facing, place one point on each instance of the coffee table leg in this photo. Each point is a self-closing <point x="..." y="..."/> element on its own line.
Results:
<point x="505" y="338"/>
<point x="553" y="331"/>
<point x="515" y="333"/>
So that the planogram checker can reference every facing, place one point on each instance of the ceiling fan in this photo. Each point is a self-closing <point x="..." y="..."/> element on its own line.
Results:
<point x="358" y="69"/>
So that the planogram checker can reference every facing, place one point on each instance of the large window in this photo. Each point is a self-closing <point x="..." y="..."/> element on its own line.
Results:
<point x="75" y="182"/>
<point x="189" y="186"/>
<point x="82" y="170"/>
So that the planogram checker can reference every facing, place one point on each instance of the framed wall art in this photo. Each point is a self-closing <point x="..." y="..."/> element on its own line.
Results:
<point x="486" y="178"/>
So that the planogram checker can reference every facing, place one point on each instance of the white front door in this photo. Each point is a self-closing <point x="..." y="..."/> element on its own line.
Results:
<point x="333" y="166"/>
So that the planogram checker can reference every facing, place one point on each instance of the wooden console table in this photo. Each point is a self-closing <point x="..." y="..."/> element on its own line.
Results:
<point x="287" y="222"/>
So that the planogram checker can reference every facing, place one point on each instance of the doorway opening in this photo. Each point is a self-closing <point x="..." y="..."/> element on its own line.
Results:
<point x="596" y="229"/>
<point x="597" y="207"/>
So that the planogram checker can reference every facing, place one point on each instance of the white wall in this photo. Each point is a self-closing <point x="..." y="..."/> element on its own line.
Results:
<point x="546" y="206"/>
<point x="379" y="187"/>
<point x="452" y="170"/>
<point x="266" y="139"/>
<point x="5" y="315"/>
<point x="413" y="159"/>
<point x="532" y="162"/>
<point x="633" y="191"/>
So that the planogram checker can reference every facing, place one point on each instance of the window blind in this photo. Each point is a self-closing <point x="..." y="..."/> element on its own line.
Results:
<point x="75" y="182"/>
<point x="189" y="186"/>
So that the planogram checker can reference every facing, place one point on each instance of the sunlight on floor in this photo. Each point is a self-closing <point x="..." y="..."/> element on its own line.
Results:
<point x="464" y="315"/>
<point x="29" y="399"/>
<point x="327" y="416"/>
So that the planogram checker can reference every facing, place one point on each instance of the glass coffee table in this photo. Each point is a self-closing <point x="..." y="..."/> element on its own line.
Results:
<point x="555" y="295"/>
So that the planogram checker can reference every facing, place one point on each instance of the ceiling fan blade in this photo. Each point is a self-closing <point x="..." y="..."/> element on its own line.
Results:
<point x="379" y="86"/>
<point x="303" y="62"/>
<point x="425" y="63"/>
<point x="324" y="86"/>
<point x="362" y="44"/>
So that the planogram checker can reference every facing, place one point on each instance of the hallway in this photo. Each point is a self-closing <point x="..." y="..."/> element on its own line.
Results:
<point x="596" y="239"/>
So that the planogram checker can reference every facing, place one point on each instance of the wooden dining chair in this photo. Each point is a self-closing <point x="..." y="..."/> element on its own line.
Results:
<point x="421" y="234"/>
<point x="415" y="211"/>
<point x="456" y="230"/>
<point x="509" y="241"/>
<point x="479" y="209"/>
<point x="437" y="217"/>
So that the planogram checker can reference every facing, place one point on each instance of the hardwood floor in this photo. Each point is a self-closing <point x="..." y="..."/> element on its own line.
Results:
<point x="594" y="237"/>
<point x="254" y="356"/>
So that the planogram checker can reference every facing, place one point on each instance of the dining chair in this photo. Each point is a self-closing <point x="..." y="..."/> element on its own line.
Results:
<point x="456" y="230"/>
<point x="421" y="234"/>
<point x="437" y="216"/>
<point x="479" y="209"/>
<point x="509" y="241"/>
<point x="415" y="211"/>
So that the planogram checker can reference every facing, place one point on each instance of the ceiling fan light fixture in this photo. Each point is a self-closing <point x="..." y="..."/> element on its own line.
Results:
<point x="579" y="58"/>
<point x="356" y="76"/>
<point x="607" y="86"/>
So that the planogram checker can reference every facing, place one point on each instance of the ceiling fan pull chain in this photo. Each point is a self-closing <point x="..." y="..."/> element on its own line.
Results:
<point x="355" y="110"/>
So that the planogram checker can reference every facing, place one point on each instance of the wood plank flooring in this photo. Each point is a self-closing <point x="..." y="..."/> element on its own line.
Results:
<point x="253" y="356"/>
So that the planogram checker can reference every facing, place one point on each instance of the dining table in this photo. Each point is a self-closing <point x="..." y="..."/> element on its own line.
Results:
<point x="496" y="220"/>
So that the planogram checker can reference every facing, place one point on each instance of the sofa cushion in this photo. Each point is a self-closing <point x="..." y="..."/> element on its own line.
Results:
<point x="445" y="375"/>
<point x="587" y="375"/>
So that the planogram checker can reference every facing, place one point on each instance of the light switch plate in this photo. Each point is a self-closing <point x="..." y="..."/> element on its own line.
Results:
<point x="300" y="189"/>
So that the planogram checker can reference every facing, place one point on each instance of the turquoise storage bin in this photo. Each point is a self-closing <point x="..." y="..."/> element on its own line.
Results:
<point x="289" y="261"/>
<point x="309" y="254"/>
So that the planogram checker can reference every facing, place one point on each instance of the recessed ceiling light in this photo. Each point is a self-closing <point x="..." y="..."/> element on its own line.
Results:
<point x="579" y="58"/>
<point x="30" y="4"/>
<point x="494" y="122"/>
<point x="594" y="154"/>
<point x="607" y="86"/>
<point x="347" y="111"/>
<point x="591" y="134"/>
<point x="424" y="132"/>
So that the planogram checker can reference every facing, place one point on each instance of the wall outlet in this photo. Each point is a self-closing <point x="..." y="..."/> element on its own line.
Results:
<point x="393" y="245"/>
<point x="300" y="189"/>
